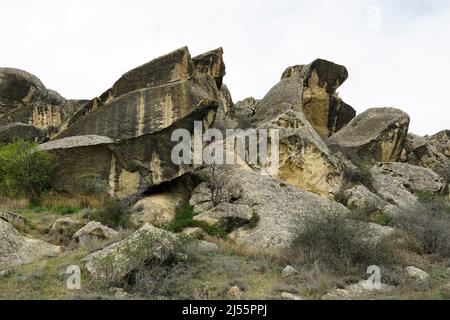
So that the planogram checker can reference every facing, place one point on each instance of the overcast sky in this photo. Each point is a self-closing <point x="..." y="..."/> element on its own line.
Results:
<point x="397" y="52"/>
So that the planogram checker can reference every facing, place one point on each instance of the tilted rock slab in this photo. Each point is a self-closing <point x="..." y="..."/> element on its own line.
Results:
<point x="16" y="249"/>
<point x="28" y="132"/>
<point x="153" y="96"/>
<point x="87" y="164"/>
<point x="378" y="134"/>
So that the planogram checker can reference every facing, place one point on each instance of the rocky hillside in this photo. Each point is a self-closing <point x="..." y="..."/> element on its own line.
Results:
<point x="367" y="168"/>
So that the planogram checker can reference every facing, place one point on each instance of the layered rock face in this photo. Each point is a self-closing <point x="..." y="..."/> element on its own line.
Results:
<point x="378" y="134"/>
<point x="152" y="97"/>
<point x="24" y="99"/>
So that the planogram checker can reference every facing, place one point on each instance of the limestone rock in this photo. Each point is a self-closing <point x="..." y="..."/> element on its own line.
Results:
<point x="194" y="232"/>
<point x="357" y="290"/>
<point x="322" y="106"/>
<point x="235" y="293"/>
<point x="207" y="247"/>
<point x="280" y="208"/>
<point x="359" y="197"/>
<point x="397" y="182"/>
<point x="228" y="216"/>
<point x="152" y="97"/>
<point x="290" y="296"/>
<point x="304" y="159"/>
<point x="288" y="271"/>
<point x="94" y="230"/>
<point x="417" y="273"/>
<point x="12" y="217"/>
<point x="441" y="141"/>
<point x="28" y="132"/>
<point x="201" y="198"/>
<point x="378" y="134"/>
<point x="63" y="229"/>
<point x="87" y="164"/>
<point x="119" y="259"/>
<point x="16" y="249"/>
<point x="425" y="152"/>
<point x="156" y="209"/>
<point x="25" y="99"/>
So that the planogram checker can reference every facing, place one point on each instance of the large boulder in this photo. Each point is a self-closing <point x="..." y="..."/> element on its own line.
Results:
<point x="378" y="134"/>
<point x="16" y="249"/>
<point x="399" y="182"/>
<point x="425" y="152"/>
<point x="304" y="159"/>
<point x="25" y="99"/>
<point x="86" y="164"/>
<point x="116" y="261"/>
<point x="156" y="209"/>
<point x="94" y="231"/>
<point x="321" y="104"/>
<point x="359" y="197"/>
<point x="152" y="97"/>
<point x="278" y="208"/>
<point x="441" y="141"/>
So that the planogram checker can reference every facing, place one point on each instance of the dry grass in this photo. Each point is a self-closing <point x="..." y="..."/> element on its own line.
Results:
<point x="10" y="204"/>
<point x="71" y="201"/>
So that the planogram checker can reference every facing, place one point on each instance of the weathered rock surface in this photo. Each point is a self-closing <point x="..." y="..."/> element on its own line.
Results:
<point x="152" y="97"/>
<point x="227" y="215"/>
<point x="378" y="134"/>
<point x="321" y="104"/>
<point x="417" y="273"/>
<point x="359" y="197"/>
<point x="157" y="209"/>
<point x="86" y="164"/>
<point x="12" y="217"/>
<point x="441" y="141"/>
<point x="16" y="249"/>
<point x="63" y="229"/>
<point x="25" y="99"/>
<point x="398" y="182"/>
<point x="357" y="290"/>
<point x="304" y="159"/>
<point x="28" y="132"/>
<point x="426" y="152"/>
<point x="119" y="259"/>
<point x="280" y="208"/>
<point x="94" y="231"/>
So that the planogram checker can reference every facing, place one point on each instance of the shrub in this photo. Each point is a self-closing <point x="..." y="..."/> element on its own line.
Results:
<point x="340" y="244"/>
<point x="429" y="226"/>
<point x="361" y="175"/>
<point x="113" y="213"/>
<point x="24" y="170"/>
<point x="216" y="183"/>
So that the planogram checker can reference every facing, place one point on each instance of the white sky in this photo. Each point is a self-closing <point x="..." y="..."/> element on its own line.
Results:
<point x="397" y="51"/>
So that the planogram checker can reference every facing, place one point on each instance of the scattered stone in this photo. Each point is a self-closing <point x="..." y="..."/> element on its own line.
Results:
<point x="235" y="293"/>
<point x="288" y="271"/>
<point x="417" y="273"/>
<point x="194" y="232"/>
<point x="290" y="296"/>
<point x="357" y="290"/>
<point x="94" y="230"/>
<point x="207" y="247"/>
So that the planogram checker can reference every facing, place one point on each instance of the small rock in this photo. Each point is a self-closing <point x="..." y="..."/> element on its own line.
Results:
<point x="235" y="293"/>
<point x="119" y="293"/>
<point x="288" y="271"/>
<point x="417" y="273"/>
<point x="5" y="273"/>
<point x="94" y="230"/>
<point x="194" y="232"/>
<point x="207" y="247"/>
<point x="290" y="296"/>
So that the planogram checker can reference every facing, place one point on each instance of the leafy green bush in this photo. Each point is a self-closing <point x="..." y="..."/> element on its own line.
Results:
<point x="24" y="170"/>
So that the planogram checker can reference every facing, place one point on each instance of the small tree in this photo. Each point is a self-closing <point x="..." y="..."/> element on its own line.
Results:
<point x="24" y="170"/>
<point x="216" y="183"/>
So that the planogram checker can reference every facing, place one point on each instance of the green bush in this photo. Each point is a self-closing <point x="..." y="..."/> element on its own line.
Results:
<point x="24" y="170"/>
